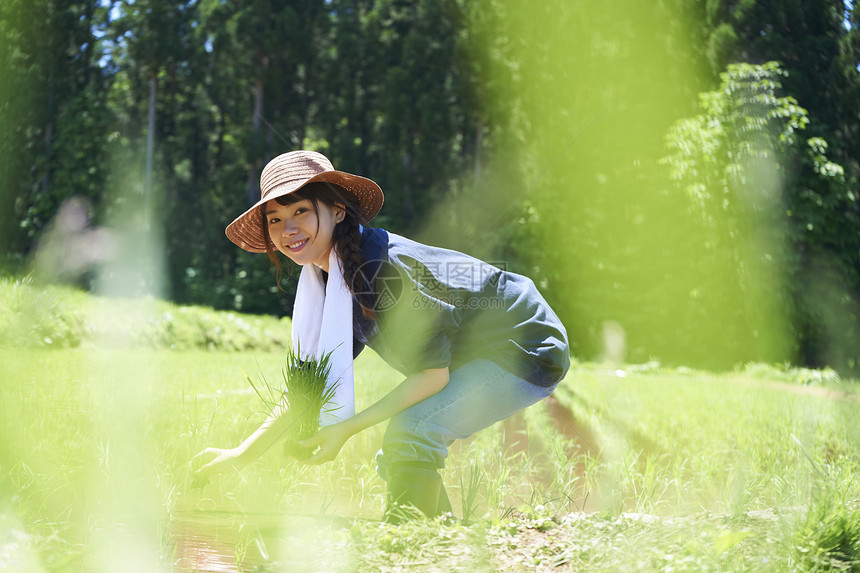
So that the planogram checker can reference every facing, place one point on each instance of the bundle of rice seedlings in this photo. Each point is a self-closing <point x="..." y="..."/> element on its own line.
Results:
<point x="302" y="399"/>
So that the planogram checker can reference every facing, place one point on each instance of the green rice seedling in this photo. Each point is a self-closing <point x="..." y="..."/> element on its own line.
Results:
<point x="569" y="469"/>
<point x="365" y="486"/>
<point x="302" y="399"/>
<point x="827" y="536"/>
<point x="469" y="488"/>
<point x="499" y="479"/>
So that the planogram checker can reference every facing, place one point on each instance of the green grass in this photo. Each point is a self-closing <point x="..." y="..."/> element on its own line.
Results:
<point x="717" y="443"/>
<point x="695" y="472"/>
<point x="655" y="470"/>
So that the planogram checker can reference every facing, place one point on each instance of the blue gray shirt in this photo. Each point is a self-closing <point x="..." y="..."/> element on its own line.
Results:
<point x="436" y="307"/>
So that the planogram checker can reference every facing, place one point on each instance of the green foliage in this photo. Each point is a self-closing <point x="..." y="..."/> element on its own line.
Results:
<point x="793" y="374"/>
<point x="740" y="162"/>
<point x="817" y="44"/>
<point x="722" y="44"/>
<point x="827" y="537"/>
<point x="32" y="315"/>
<point x="743" y="121"/>
<point x="248" y="287"/>
<point x="729" y="161"/>
<point x="812" y="42"/>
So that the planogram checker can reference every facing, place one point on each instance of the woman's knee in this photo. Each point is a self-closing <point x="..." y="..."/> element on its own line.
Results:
<point x="409" y="439"/>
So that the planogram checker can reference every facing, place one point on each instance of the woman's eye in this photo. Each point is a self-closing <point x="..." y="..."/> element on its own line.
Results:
<point x="273" y="221"/>
<point x="300" y="210"/>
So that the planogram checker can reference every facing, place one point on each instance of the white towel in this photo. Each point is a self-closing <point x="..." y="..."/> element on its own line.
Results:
<point x="322" y="323"/>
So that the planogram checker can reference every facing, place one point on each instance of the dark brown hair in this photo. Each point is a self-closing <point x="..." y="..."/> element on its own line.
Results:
<point x="346" y="238"/>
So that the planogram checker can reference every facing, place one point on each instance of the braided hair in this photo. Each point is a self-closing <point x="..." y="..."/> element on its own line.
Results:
<point x="346" y="238"/>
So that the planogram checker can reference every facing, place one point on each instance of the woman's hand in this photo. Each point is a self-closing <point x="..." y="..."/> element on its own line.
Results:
<point x="213" y="461"/>
<point x="330" y="440"/>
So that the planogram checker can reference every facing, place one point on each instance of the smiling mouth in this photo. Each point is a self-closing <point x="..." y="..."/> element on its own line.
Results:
<point x="295" y="247"/>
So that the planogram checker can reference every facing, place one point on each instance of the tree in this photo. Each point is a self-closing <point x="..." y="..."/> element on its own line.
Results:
<point x="740" y="163"/>
<point x="811" y="41"/>
<point x="816" y="43"/>
<point x="53" y="108"/>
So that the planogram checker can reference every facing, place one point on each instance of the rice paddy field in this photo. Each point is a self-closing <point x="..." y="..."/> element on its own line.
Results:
<point x="625" y="468"/>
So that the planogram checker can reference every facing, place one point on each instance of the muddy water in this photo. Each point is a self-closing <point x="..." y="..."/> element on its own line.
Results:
<point x="212" y="542"/>
<point x="222" y="542"/>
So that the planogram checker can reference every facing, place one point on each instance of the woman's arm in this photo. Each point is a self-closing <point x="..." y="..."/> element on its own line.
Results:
<point x="412" y="390"/>
<point x="331" y="438"/>
<point x="216" y="460"/>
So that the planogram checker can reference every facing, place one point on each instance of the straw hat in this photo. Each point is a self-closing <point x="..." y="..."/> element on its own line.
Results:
<point x="290" y="172"/>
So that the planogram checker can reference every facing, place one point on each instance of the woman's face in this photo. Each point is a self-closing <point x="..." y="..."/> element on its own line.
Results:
<point x="302" y="234"/>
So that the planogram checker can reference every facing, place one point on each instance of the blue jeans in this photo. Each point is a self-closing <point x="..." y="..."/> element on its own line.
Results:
<point x="478" y="394"/>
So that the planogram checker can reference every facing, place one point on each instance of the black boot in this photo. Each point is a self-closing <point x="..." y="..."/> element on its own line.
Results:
<point x="444" y="504"/>
<point x="412" y="486"/>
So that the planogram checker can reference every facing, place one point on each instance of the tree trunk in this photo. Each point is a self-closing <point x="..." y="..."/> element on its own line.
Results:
<point x="150" y="147"/>
<point x="306" y="104"/>
<point x="408" y="206"/>
<point x="91" y="40"/>
<point x="219" y="146"/>
<point x="258" y="114"/>
<point x="256" y="139"/>
<point x="49" y="133"/>
<point x="479" y="144"/>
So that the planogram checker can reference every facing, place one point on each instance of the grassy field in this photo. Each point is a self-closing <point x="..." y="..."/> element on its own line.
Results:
<point x="637" y="469"/>
<point x="623" y="469"/>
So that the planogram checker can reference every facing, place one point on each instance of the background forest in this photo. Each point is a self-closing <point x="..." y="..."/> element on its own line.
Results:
<point x="682" y="171"/>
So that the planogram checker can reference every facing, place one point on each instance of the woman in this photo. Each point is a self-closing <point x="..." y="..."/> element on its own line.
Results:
<point x="476" y="343"/>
